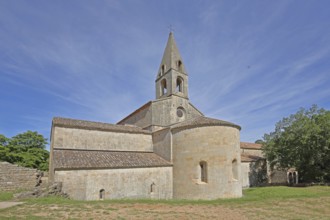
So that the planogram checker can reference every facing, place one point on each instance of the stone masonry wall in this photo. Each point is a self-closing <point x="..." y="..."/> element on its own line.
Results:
<point x="252" y="152"/>
<point x="100" y="140"/>
<point x="163" y="143"/>
<point x="153" y="182"/>
<point x="219" y="148"/>
<point x="142" y="118"/>
<point x="14" y="177"/>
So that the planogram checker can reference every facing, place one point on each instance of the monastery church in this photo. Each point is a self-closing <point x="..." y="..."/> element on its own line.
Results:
<point x="165" y="149"/>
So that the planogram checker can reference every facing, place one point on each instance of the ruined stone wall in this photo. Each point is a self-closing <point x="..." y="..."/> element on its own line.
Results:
<point x="117" y="183"/>
<point x="14" y="177"/>
<point x="219" y="147"/>
<point x="277" y="176"/>
<point x="162" y="142"/>
<point x="73" y="138"/>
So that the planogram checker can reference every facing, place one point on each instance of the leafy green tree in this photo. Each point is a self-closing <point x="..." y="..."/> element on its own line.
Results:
<point x="259" y="141"/>
<point x="3" y="149"/>
<point x="26" y="149"/>
<point x="302" y="140"/>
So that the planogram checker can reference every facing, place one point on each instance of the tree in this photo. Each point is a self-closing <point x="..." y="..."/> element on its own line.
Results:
<point x="302" y="141"/>
<point x="259" y="141"/>
<point x="26" y="149"/>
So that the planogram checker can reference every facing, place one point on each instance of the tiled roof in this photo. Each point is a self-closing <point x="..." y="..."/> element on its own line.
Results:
<point x="250" y="158"/>
<point x="90" y="125"/>
<point x="247" y="145"/>
<point x="203" y="121"/>
<point x="136" y="111"/>
<point x="95" y="159"/>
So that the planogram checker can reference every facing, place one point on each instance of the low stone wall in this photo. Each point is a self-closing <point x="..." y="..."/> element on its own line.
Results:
<point x="14" y="177"/>
<point x="277" y="176"/>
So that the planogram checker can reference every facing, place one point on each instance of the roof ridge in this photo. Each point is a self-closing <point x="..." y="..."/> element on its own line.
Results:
<point x="84" y="124"/>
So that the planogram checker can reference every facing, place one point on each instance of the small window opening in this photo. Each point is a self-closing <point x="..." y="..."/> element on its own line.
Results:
<point x="179" y="65"/>
<point x="179" y="85"/>
<point x="163" y="87"/>
<point x="203" y="167"/>
<point x="235" y="169"/>
<point x="162" y="71"/>
<point x="102" y="194"/>
<point x="152" y="187"/>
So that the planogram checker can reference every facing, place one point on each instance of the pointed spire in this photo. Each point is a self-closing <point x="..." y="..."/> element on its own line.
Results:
<point x="171" y="58"/>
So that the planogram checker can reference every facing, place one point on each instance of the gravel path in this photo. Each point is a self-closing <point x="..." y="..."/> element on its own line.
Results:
<point x="4" y="205"/>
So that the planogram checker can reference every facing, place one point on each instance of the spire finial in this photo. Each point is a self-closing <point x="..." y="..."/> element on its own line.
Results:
<point x="171" y="29"/>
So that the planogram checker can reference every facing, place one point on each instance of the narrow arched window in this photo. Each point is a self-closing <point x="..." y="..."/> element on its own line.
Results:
<point x="234" y="168"/>
<point x="162" y="71"/>
<point x="179" y="63"/>
<point x="179" y="84"/>
<point x="152" y="187"/>
<point x="203" y="169"/>
<point x="163" y="87"/>
<point x="102" y="194"/>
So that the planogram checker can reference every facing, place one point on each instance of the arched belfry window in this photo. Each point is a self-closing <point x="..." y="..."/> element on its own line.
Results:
<point x="203" y="170"/>
<point x="235" y="169"/>
<point x="163" y="87"/>
<point x="179" y="85"/>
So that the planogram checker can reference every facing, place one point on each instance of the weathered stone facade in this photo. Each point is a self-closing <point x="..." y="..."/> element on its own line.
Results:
<point x="165" y="149"/>
<point x="117" y="183"/>
<point x="218" y="147"/>
<point x="14" y="177"/>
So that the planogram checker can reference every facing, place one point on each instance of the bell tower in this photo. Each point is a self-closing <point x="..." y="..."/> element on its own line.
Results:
<point x="172" y="78"/>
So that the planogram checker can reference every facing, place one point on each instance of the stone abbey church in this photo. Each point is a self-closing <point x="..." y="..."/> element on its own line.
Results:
<point x="165" y="149"/>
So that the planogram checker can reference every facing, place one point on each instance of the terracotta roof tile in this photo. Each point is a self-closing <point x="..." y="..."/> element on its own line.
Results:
<point x="247" y="145"/>
<point x="250" y="158"/>
<point x="95" y="159"/>
<point x="203" y="121"/>
<point x="90" y="125"/>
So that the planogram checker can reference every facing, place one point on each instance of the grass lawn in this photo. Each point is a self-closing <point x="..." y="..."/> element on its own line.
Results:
<point x="257" y="203"/>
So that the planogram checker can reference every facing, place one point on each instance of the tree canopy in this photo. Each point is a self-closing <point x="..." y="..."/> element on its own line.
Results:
<point x="26" y="149"/>
<point x="302" y="141"/>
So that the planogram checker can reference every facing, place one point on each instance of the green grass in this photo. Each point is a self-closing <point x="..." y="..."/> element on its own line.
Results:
<point x="249" y="195"/>
<point x="5" y="196"/>
<point x="257" y="203"/>
<point x="260" y="194"/>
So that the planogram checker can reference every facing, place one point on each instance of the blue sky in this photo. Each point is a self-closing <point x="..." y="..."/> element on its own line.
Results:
<point x="249" y="62"/>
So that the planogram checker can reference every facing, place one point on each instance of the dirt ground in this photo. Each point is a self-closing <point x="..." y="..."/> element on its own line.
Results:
<point x="4" y="205"/>
<point x="299" y="208"/>
<point x="124" y="211"/>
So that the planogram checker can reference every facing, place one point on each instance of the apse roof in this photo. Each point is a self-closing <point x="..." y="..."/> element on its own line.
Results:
<point x="90" y="125"/>
<point x="203" y="121"/>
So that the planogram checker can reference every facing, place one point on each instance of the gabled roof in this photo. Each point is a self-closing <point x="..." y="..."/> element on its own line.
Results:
<point x="135" y="112"/>
<point x="250" y="158"/>
<point x="67" y="159"/>
<point x="90" y="125"/>
<point x="253" y="146"/>
<point x="202" y="121"/>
